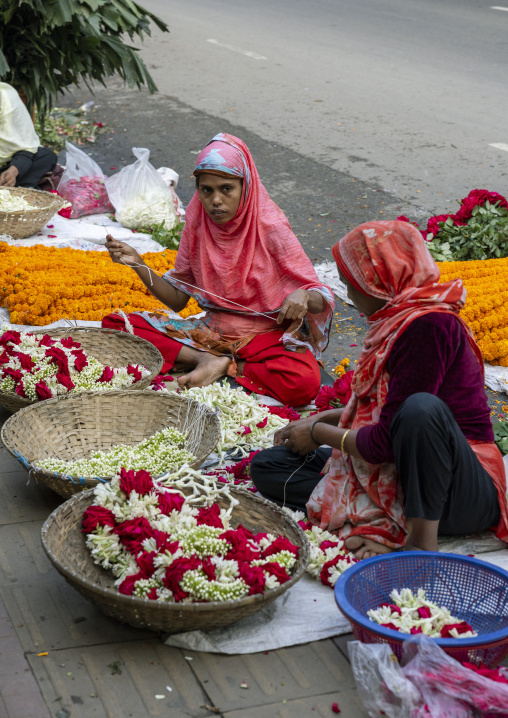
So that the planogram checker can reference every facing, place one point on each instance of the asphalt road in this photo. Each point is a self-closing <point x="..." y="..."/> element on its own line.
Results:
<point x="406" y="95"/>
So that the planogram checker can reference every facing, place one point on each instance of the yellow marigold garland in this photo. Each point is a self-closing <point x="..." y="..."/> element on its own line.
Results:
<point x="40" y="284"/>
<point x="486" y="309"/>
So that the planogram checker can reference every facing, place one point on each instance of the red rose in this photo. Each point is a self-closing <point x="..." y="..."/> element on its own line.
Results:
<point x="176" y="572"/>
<point x="65" y="380"/>
<point x="46" y="341"/>
<point x="327" y="544"/>
<point x="25" y="360"/>
<point x="246" y="430"/>
<point x="80" y="361"/>
<point x="65" y="212"/>
<point x="414" y="631"/>
<point x="325" y="571"/>
<point x="210" y="516"/>
<point x="15" y="374"/>
<point x="135" y="371"/>
<point x="97" y="516"/>
<point x="133" y="532"/>
<point x="170" y="501"/>
<point x="285" y="412"/>
<point x="164" y="543"/>
<point x="342" y="388"/>
<point x="262" y="424"/>
<point x="10" y="337"/>
<point x="424" y="612"/>
<point x="69" y="343"/>
<point x="42" y="391"/>
<point x="433" y="223"/>
<point x="157" y="383"/>
<point x="275" y="569"/>
<point x="106" y="375"/>
<point x="253" y="576"/>
<point x="127" y="585"/>
<point x="139" y="481"/>
<point x="280" y="544"/>
<point x="209" y="569"/>
<point x="305" y="525"/>
<point x="462" y="627"/>
<point x="145" y="562"/>
<point x="239" y="550"/>
<point x="393" y="608"/>
<point x="390" y="625"/>
<point x="152" y="594"/>
<point x="322" y="400"/>
<point x="59" y="357"/>
<point x="4" y="357"/>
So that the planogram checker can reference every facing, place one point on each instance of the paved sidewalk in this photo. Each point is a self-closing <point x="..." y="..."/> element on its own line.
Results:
<point x="98" y="667"/>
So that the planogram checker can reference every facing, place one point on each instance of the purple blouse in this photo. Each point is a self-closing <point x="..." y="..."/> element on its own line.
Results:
<point x="432" y="355"/>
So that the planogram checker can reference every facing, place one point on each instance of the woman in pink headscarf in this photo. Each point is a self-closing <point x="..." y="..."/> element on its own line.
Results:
<point x="267" y="316"/>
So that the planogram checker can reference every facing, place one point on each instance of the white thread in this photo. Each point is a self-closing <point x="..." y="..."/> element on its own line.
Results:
<point x="308" y="457"/>
<point x="125" y="317"/>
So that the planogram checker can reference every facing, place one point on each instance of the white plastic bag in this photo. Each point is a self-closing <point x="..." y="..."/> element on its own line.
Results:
<point x="170" y="179"/>
<point x="83" y="184"/>
<point x="139" y="195"/>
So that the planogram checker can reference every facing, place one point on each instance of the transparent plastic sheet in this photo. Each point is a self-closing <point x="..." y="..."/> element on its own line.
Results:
<point x="139" y="195"/>
<point x="83" y="184"/>
<point x="429" y="683"/>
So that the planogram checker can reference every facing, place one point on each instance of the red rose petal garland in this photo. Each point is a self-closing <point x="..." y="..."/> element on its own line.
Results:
<point x="161" y="546"/>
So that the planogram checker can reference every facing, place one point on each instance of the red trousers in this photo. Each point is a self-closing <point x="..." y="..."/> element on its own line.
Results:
<point x="292" y="378"/>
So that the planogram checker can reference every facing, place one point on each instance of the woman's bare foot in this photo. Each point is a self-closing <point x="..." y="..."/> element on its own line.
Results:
<point x="363" y="547"/>
<point x="208" y="369"/>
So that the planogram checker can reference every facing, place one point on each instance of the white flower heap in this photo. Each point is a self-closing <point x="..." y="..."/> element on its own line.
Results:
<point x="159" y="454"/>
<point x="329" y="556"/>
<point x="164" y="547"/>
<point x="14" y="202"/>
<point x="245" y="425"/>
<point x="413" y="613"/>
<point x="39" y="368"/>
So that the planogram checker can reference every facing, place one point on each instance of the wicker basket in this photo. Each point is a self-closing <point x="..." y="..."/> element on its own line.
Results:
<point x="73" y="426"/>
<point x="25" y="223"/>
<point x="109" y="346"/>
<point x="64" y="543"/>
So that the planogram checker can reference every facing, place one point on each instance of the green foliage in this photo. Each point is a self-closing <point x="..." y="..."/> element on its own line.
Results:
<point x="485" y="236"/>
<point x="169" y="238"/>
<point x="48" y="45"/>
<point x="64" y="124"/>
<point x="501" y="436"/>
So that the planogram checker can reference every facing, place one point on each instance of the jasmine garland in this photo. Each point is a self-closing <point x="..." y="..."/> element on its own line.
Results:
<point x="162" y="546"/>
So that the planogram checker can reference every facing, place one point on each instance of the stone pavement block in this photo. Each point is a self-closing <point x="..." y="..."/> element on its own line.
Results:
<point x="120" y="681"/>
<point x="286" y="674"/>
<point x="21" y="554"/>
<point x="22" y="501"/>
<point x="348" y="702"/>
<point x="341" y="643"/>
<point x="50" y="614"/>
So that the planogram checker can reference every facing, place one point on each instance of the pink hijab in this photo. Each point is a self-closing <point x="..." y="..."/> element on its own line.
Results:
<point x="255" y="260"/>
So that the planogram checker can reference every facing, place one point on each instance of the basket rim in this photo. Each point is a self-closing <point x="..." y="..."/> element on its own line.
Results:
<point x="81" y="480"/>
<point x="493" y="638"/>
<point x="138" y="602"/>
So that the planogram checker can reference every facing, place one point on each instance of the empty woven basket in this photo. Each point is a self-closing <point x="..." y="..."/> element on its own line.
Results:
<point x="109" y="346"/>
<point x="65" y="545"/>
<point x="23" y="223"/>
<point x="74" y="426"/>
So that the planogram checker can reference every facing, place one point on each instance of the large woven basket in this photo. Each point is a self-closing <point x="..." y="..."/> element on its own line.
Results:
<point x="64" y="543"/>
<point x="25" y="223"/>
<point x="74" y="426"/>
<point x="109" y="346"/>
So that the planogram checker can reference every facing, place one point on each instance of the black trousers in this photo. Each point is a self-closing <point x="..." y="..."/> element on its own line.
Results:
<point x="440" y="476"/>
<point x="31" y="173"/>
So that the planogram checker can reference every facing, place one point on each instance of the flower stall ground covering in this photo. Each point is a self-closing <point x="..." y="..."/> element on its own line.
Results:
<point x="163" y="547"/>
<point x="39" y="368"/>
<point x="35" y="287"/>
<point x="64" y="124"/>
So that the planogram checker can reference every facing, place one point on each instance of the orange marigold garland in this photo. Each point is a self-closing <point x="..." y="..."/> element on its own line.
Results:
<point x="40" y="284"/>
<point x="486" y="309"/>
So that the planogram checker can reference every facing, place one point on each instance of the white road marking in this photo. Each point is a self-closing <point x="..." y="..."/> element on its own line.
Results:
<point x="247" y="53"/>
<point x="497" y="7"/>
<point x="500" y="146"/>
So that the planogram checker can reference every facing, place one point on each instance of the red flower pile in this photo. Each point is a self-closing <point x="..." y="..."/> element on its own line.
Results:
<point x="88" y="195"/>
<point x="332" y="397"/>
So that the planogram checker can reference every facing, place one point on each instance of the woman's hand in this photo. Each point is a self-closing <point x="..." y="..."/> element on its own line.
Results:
<point x="296" y="437"/>
<point x="295" y="306"/>
<point x="8" y="177"/>
<point x="122" y="253"/>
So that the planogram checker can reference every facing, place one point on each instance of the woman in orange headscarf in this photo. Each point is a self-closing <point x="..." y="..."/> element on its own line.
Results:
<point x="415" y="440"/>
<point x="267" y="315"/>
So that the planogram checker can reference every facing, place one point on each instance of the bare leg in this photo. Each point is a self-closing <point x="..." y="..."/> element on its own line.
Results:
<point x="363" y="547"/>
<point x="422" y="535"/>
<point x="204" y="368"/>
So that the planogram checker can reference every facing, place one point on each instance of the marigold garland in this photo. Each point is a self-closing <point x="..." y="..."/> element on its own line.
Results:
<point x="40" y="284"/>
<point x="486" y="309"/>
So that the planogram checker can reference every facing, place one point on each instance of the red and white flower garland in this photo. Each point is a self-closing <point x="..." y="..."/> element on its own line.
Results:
<point x="39" y="368"/>
<point x="162" y="546"/>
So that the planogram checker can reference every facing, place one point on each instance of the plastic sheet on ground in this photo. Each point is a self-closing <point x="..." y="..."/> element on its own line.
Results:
<point x="87" y="233"/>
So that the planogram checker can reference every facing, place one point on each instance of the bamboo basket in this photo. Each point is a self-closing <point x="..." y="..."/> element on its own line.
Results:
<point x="65" y="546"/>
<point x="74" y="426"/>
<point x="25" y="223"/>
<point x="109" y="346"/>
